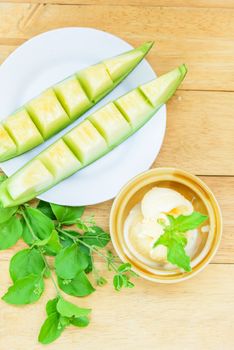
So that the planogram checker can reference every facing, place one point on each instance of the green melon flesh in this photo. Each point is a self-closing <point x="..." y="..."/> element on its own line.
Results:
<point x="72" y="97"/>
<point x="23" y="131"/>
<point x="95" y="81"/>
<point x="47" y="113"/>
<point x="90" y="140"/>
<point x="30" y="180"/>
<point x="86" y="142"/>
<point x="154" y="90"/>
<point x="60" y="160"/>
<point x="7" y="146"/>
<point x="119" y="65"/>
<point x="134" y="107"/>
<point x="111" y="124"/>
<point x="60" y="105"/>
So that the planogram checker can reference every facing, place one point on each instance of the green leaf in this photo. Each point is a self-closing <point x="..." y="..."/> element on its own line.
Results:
<point x="67" y="215"/>
<point x="10" y="232"/>
<point x="185" y="223"/>
<point x="51" y="329"/>
<point x="86" y="251"/>
<point x="25" y="291"/>
<point x="42" y="226"/>
<point x="45" y="208"/>
<point x="70" y="261"/>
<point x="26" y="262"/>
<point x="118" y="282"/>
<point x="7" y="213"/>
<point x="177" y="256"/>
<point x="80" y="321"/>
<point x="26" y="234"/>
<point x="124" y="267"/>
<point x="67" y="309"/>
<point x="51" y="244"/>
<point x="97" y="237"/>
<point x="79" y="286"/>
<point x="51" y="306"/>
<point x="67" y="241"/>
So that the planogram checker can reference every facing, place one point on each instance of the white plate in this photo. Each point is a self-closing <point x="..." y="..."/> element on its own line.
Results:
<point x="50" y="57"/>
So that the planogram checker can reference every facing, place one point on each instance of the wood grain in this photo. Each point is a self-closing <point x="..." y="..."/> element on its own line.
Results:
<point x="196" y="314"/>
<point x="143" y="3"/>
<point x="206" y="48"/>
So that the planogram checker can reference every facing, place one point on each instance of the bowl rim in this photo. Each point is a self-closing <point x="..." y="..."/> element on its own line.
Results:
<point x="137" y="180"/>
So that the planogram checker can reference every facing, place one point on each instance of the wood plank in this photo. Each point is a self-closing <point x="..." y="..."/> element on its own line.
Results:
<point x="181" y="34"/>
<point x="196" y="314"/>
<point x="223" y="188"/>
<point x="155" y="3"/>
<point x="199" y="135"/>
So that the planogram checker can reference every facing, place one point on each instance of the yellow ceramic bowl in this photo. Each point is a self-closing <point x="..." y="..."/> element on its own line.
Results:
<point x="193" y="189"/>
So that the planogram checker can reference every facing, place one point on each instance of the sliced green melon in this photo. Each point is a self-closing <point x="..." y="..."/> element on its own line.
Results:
<point x="60" y="160"/>
<point x="47" y="113"/>
<point x="154" y="90"/>
<point x="119" y="65"/>
<point x="29" y="180"/>
<point x="86" y="142"/>
<point x="23" y="131"/>
<point x="50" y="113"/>
<point x="111" y="124"/>
<point x="95" y="81"/>
<point x="72" y="97"/>
<point x="134" y="107"/>
<point x="7" y="146"/>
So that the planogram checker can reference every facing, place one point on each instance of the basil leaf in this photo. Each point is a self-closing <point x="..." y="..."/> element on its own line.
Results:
<point x="67" y="309"/>
<point x="51" y="306"/>
<point x="67" y="241"/>
<point x="26" y="234"/>
<point x="26" y="262"/>
<point x="80" y="321"/>
<point x="177" y="256"/>
<point x="25" y="291"/>
<point x="45" y="208"/>
<point x="70" y="261"/>
<point x="41" y="224"/>
<point x="79" y="286"/>
<point x="51" y="244"/>
<point x="118" y="282"/>
<point x="67" y="215"/>
<point x="10" y="232"/>
<point x="7" y="213"/>
<point x="97" y="237"/>
<point x="124" y="267"/>
<point x="185" y="223"/>
<point x="51" y="329"/>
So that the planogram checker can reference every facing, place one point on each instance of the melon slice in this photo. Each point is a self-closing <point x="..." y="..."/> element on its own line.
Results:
<point x="119" y="65"/>
<point x="60" y="160"/>
<point x="7" y="146"/>
<point x="29" y="180"/>
<point x="95" y="80"/>
<point x="86" y="142"/>
<point x="111" y="124"/>
<point x="47" y="113"/>
<point x="135" y="108"/>
<point x="72" y="97"/>
<point x="23" y="131"/>
<point x="154" y="91"/>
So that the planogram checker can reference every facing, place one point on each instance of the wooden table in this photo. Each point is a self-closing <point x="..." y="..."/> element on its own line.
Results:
<point x="199" y="313"/>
